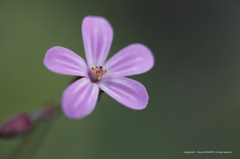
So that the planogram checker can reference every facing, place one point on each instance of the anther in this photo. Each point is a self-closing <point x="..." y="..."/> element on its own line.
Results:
<point x="99" y="71"/>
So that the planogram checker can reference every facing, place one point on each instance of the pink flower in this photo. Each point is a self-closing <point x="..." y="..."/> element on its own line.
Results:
<point x="80" y="98"/>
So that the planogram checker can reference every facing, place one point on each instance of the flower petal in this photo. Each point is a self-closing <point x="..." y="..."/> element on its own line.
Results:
<point x="131" y="60"/>
<point x="64" y="61"/>
<point x="80" y="98"/>
<point x="97" y="38"/>
<point x="126" y="91"/>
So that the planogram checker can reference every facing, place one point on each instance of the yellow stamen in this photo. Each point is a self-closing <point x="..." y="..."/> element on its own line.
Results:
<point x="99" y="71"/>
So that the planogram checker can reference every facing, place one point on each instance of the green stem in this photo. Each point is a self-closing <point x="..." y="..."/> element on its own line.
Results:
<point x="31" y="142"/>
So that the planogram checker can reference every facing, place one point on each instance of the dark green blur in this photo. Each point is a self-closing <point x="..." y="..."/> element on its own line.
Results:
<point x="194" y="86"/>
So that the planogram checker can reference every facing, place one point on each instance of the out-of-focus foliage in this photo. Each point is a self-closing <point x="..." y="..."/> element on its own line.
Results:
<point x="194" y="87"/>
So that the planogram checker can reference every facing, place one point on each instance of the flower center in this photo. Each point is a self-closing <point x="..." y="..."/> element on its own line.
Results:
<point x="99" y="71"/>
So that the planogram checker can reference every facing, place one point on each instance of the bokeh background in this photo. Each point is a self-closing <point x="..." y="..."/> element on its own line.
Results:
<point x="194" y="86"/>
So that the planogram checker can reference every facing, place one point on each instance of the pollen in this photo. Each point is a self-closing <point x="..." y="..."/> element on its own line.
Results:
<point x="99" y="71"/>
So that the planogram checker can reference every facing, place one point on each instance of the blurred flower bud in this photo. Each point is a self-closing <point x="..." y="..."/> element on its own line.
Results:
<point x="16" y="125"/>
<point x="48" y="112"/>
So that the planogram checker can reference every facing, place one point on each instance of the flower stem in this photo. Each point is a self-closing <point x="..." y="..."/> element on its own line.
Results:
<point x="42" y="120"/>
<point x="31" y="142"/>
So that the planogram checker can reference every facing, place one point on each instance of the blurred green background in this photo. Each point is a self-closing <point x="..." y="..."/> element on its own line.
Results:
<point x="194" y="86"/>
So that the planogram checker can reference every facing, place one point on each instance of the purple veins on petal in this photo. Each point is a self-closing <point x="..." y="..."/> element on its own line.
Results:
<point x="97" y="38"/>
<point x="126" y="91"/>
<point x="131" y="60"/>
<point x="64" y="61"/>
<point x="80" y="98"/>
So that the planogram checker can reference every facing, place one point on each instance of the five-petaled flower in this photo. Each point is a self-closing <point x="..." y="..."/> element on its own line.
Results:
<point x="80" y="98"/>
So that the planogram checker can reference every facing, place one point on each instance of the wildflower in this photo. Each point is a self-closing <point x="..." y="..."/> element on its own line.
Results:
<point x="80" y="98"/>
